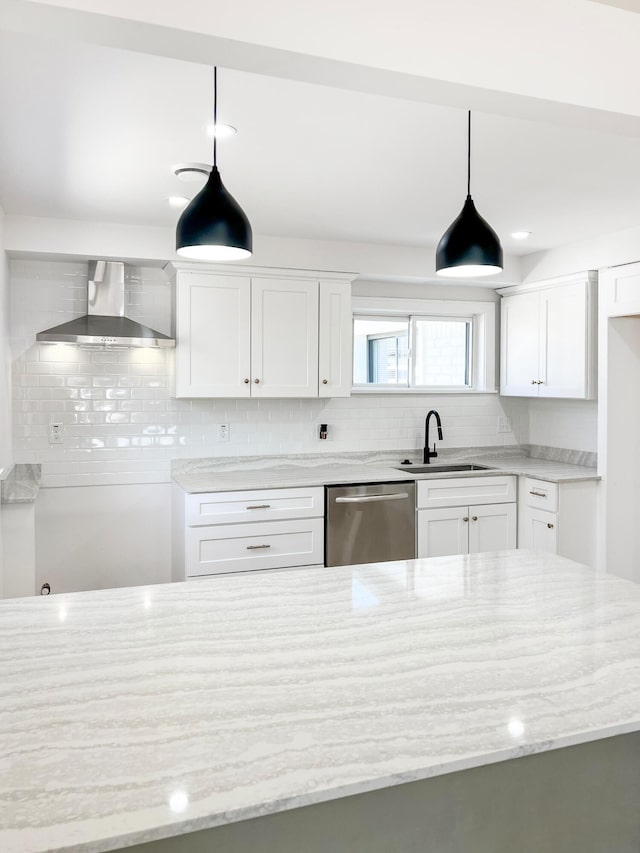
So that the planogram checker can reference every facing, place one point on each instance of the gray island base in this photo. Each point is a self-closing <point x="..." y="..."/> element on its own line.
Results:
<point x="580" y="799"/>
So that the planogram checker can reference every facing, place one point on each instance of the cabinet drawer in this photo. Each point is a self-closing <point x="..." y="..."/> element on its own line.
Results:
<point x="462" y="491"/>
<point x="267" y="505"/>
<point x="541" y="495"/>
<point x="244" y="547"/>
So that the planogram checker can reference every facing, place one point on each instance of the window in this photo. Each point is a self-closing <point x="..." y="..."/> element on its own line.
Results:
<point x="431" y="344"/>
<point x="411" y="352"/>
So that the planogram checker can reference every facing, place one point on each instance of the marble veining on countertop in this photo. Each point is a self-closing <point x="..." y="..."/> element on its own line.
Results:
<point x="256" y="472"/>
<point x="143" y="713"/>
<point x="21" y="484"/>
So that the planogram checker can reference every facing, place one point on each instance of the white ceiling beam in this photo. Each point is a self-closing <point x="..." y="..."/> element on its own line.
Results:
<point x="560" y="61"/>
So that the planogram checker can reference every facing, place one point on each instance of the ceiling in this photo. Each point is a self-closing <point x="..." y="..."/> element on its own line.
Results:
<point x="91" y="133"/>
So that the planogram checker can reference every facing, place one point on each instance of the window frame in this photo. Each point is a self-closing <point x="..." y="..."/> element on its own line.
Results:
<point x="481" y="317"/>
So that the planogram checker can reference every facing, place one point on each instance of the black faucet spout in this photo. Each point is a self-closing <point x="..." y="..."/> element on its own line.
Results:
<point x="428" y="455"/>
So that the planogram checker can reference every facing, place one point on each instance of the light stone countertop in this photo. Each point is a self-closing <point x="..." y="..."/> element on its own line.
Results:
<point x="20" y="484"/>
<point x="136" y="714"/>
<point x="281" y="475"/>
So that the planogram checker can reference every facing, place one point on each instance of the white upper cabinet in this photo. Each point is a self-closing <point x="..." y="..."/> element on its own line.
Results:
<point x="284" y="335"/>
<point x="519" y="335"/>
<point x="255" y="332"/>
<point x="336" y="335"/>
<point x="620" y="288"/>
<point x="548" y="338"/>
<point x="213" y="326"/>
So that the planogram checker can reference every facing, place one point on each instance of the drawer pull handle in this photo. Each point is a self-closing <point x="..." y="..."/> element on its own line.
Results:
<point x="474" y="518"/>
<point x="549" y="525"/>
<point x="538" y="494"/>
<point x="257" y="547"/>
<point x="259" y="506"/>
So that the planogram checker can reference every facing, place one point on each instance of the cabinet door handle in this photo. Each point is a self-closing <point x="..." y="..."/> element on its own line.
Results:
<point x="533" y="382"/>
<point x="257" y="381"/>
<point x="538" y="494"/>
<point x="257" y="547"/>
<point x="325" y="381"/>
<point x="474" y="518"/>
<point x="466" y="518"/>
<point x="246" y="381"/>
<point x="549" y="525"/>
<point x="259" y="506"/>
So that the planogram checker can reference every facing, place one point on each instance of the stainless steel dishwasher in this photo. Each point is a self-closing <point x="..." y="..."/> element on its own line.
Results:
<point x="370" y="524"/>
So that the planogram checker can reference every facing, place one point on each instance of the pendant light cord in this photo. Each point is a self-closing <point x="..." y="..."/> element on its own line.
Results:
<point x="469" y="154"/>
<point x="215" y="116"/>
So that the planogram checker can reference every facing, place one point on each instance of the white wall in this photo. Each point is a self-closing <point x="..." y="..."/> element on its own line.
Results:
<point x="569" y="424"/>
<point x="103" y="536"/>
<point x="593" y="253"/>
<point x="5" y="376"/>
<point x="5" y="356"/>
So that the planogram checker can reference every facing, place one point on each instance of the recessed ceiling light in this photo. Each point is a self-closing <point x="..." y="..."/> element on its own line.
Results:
<point x="178" y="201"/>
<point x="221" y="131"/>
<point x="191" y="172"/>
<point x="520" y="235"/>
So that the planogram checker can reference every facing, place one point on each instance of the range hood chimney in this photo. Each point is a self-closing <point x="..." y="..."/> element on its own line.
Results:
<point x="105" y="322"/>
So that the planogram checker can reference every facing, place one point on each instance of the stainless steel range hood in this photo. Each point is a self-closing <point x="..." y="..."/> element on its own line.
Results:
<point x="105" y="322"/>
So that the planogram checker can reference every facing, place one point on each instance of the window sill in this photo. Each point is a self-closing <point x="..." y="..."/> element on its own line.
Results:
<point x="433" y="392"/>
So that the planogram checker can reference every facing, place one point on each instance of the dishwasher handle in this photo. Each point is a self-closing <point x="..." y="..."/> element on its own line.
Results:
<point x="365" y="499"/>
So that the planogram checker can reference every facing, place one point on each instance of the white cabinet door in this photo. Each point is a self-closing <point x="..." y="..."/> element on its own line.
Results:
<point x="213" y="328"/>
<point x="335" y="333"/>
<point x="539" y="530"/>
<point x="442" y="532"/>
<point x="284" y="352"/>
<point x="563" y="341"/>
<point x="620" y="289"/>
<point x="519" y="345"/>
<point x="492" y="527"/>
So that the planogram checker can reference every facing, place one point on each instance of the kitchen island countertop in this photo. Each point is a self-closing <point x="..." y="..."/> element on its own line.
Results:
<point x="143" y="713"/>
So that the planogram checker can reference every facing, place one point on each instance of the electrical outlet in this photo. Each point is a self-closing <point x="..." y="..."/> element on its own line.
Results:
<point x="56" y="434"/>
<point x="504" y="424"/>
<point x="222" y="432"/>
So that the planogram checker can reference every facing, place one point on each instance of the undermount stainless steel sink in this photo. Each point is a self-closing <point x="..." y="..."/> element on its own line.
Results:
<point x="443" y="469"/>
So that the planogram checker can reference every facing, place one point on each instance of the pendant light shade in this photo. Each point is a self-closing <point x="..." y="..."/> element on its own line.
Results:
<point x="213" y="227"/>
<point x="469" y="247"/>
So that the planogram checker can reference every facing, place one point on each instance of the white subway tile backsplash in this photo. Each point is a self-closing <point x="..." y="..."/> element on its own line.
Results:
<point x="121" y="425"/>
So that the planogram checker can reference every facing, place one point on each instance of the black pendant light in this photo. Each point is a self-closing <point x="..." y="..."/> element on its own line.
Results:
<point x="469" y="247"/>
<point x="213" y="227"/>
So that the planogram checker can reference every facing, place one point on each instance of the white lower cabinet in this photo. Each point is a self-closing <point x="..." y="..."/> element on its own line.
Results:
<point x="559" y="518"/>
<point x="219" y="532"/>
<point x="539" y="530"/>
<point x="243" y="547"/>
<point x="466" y="528"/>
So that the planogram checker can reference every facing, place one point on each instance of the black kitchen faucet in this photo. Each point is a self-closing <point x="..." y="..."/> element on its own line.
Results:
<point x="428" y="455"/>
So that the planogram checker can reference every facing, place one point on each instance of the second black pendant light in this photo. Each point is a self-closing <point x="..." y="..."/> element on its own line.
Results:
<point x="213" y="226"/>
<point x="469" y="247"/>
